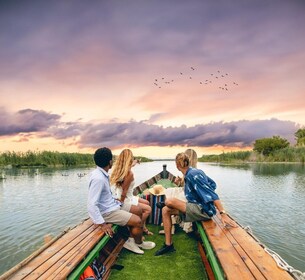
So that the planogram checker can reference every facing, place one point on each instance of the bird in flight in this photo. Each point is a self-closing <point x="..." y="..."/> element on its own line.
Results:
<point x="222" y="79"/>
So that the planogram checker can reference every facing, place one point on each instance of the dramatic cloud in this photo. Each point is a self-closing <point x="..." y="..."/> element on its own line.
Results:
<point x="26" y="120"/>
<point x="134" y="134"/>
<point x="242" y="134"/>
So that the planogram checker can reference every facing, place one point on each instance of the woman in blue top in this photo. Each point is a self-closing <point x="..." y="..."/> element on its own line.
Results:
<point x="201" y="203"/>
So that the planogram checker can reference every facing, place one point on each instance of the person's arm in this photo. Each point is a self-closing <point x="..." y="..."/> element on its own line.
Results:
<point x="125" y="185"/>
<point x="135" y="161"/>
<point x="178" y="181"/>
<point x="223" y="214"/>
<point x="95" y="190"/>
<point x="94" y="193"/>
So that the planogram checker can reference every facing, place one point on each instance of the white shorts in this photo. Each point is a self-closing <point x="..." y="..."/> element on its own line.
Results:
<point x="133" y="200"/>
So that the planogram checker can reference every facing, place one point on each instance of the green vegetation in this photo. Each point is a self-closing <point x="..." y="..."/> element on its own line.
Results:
<point x="300" y="137"/>
<point x="185" y="263"/>
<point x="47" y="158"/>
<point x="275" y="149"/>
<point x="267" y="146"/>
<point x="144" y="159"/>
<point x="227" y="157"/>
<point x="288" y="154"/>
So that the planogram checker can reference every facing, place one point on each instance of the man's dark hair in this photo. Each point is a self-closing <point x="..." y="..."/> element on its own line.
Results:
<point x="102" y="157"/>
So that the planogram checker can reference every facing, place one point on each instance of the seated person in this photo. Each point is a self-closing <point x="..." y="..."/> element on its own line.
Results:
<point x="105" y="210"/>
<point x="122" y="183"/>
<point x="179" y="193"/>
<point x="201" y="203"/>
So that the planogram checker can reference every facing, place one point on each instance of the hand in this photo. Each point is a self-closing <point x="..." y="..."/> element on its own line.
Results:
<point x="135" y="161"/>
<point x="107" y="229"/>
<point x="227" y="222"/>
<point x="178" y="181"/>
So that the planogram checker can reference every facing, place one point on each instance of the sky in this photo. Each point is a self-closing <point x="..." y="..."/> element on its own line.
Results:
<point x="153" y="76"/>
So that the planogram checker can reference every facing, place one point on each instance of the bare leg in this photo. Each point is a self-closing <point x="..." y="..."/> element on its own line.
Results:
<point x="146" y="210"/>
<point x="136" y="229"/>
<point x="173" y="206"/>
<point x="176" y="203"/>
<point x="136" y="209"/>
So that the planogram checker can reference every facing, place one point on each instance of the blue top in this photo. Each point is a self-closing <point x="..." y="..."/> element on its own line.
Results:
<point x="200" y="189"/>
<point x="100" y="199"/>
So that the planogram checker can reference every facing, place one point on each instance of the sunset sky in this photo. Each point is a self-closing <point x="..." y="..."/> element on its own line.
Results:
<point x="154" y="76"/>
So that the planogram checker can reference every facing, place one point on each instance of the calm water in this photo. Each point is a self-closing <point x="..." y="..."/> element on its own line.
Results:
<point x="268" y="198"/>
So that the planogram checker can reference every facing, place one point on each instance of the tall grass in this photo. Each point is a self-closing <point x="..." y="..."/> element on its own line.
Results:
<point x="289" y="154"/>
<point x="239" y="156"/>
<point x="45" y="158"/>
<point x="48" y="158"/>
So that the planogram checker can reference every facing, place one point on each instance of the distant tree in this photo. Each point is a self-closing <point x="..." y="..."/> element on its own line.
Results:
<point x="300" y="137"/>
<point x="266" y="146"/>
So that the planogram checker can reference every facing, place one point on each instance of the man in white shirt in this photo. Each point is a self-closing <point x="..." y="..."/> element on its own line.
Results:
<point x="104" y="209"/>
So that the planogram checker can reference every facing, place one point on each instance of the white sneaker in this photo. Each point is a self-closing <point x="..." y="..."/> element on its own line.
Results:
<point x="131" y="245"/>
<point x="147" y="245"/>
<point x="163" y="232"/>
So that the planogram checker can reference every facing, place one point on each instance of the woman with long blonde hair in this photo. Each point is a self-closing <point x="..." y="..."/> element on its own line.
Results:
<point x="179" y="193"/>
<point x="122" y="181"/>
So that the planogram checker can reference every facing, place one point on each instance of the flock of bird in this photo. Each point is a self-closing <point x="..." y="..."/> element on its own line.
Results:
<point x="219" y="79"/>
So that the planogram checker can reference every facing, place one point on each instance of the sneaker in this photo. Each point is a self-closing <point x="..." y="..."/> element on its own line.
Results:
<point x="165" y="249"/>
<point x="163" y="232"/>
<point x="131" y="245"/>
<point x="147" y="245"/>
<point x="160" y="205"/>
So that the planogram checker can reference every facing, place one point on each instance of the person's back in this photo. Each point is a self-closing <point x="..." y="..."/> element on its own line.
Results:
<point x="99" y="186"/>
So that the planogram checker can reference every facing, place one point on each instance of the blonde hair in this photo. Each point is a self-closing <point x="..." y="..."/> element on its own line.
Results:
<point x="182" y="160"/>
<point x="192" y="157"/>
<point x="186" y="159"/>
<point x="122" y="167"/>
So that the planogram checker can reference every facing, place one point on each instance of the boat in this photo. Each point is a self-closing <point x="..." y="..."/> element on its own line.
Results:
<point x="226" y="253"/>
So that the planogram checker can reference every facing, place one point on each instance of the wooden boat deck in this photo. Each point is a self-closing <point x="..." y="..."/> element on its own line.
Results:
<point x="57" y="259"/>
<point x="239" y="254"/>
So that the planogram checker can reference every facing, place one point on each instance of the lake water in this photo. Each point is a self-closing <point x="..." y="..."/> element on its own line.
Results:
<point x="267" y="197"/>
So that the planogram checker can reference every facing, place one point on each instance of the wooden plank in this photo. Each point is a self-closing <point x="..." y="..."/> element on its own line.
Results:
<point x="117" y="241"/>
<point x="218" y="272"/>
<point x="233" y="266"/>
<point x="112" y="258"/>
<point x="28" y="268"/>
<point x="59" y="253"/>
<point x="22" y="264"/>
<point x="79" y="255"/>
<point x="241" y="252"/>
<point x="73" y="258"/>
<point x="151" y="181"/>
<point x="262" y="260"/>
<point x="206" y="263"/>
<point x="69" y="256"/>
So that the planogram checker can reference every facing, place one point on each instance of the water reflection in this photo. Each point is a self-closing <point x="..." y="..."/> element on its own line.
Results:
<point x="277" y="169"/>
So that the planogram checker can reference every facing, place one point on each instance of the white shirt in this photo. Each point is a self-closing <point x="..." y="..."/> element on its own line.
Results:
<point x="100" y="199"/>
<point x="130" y="198"/>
